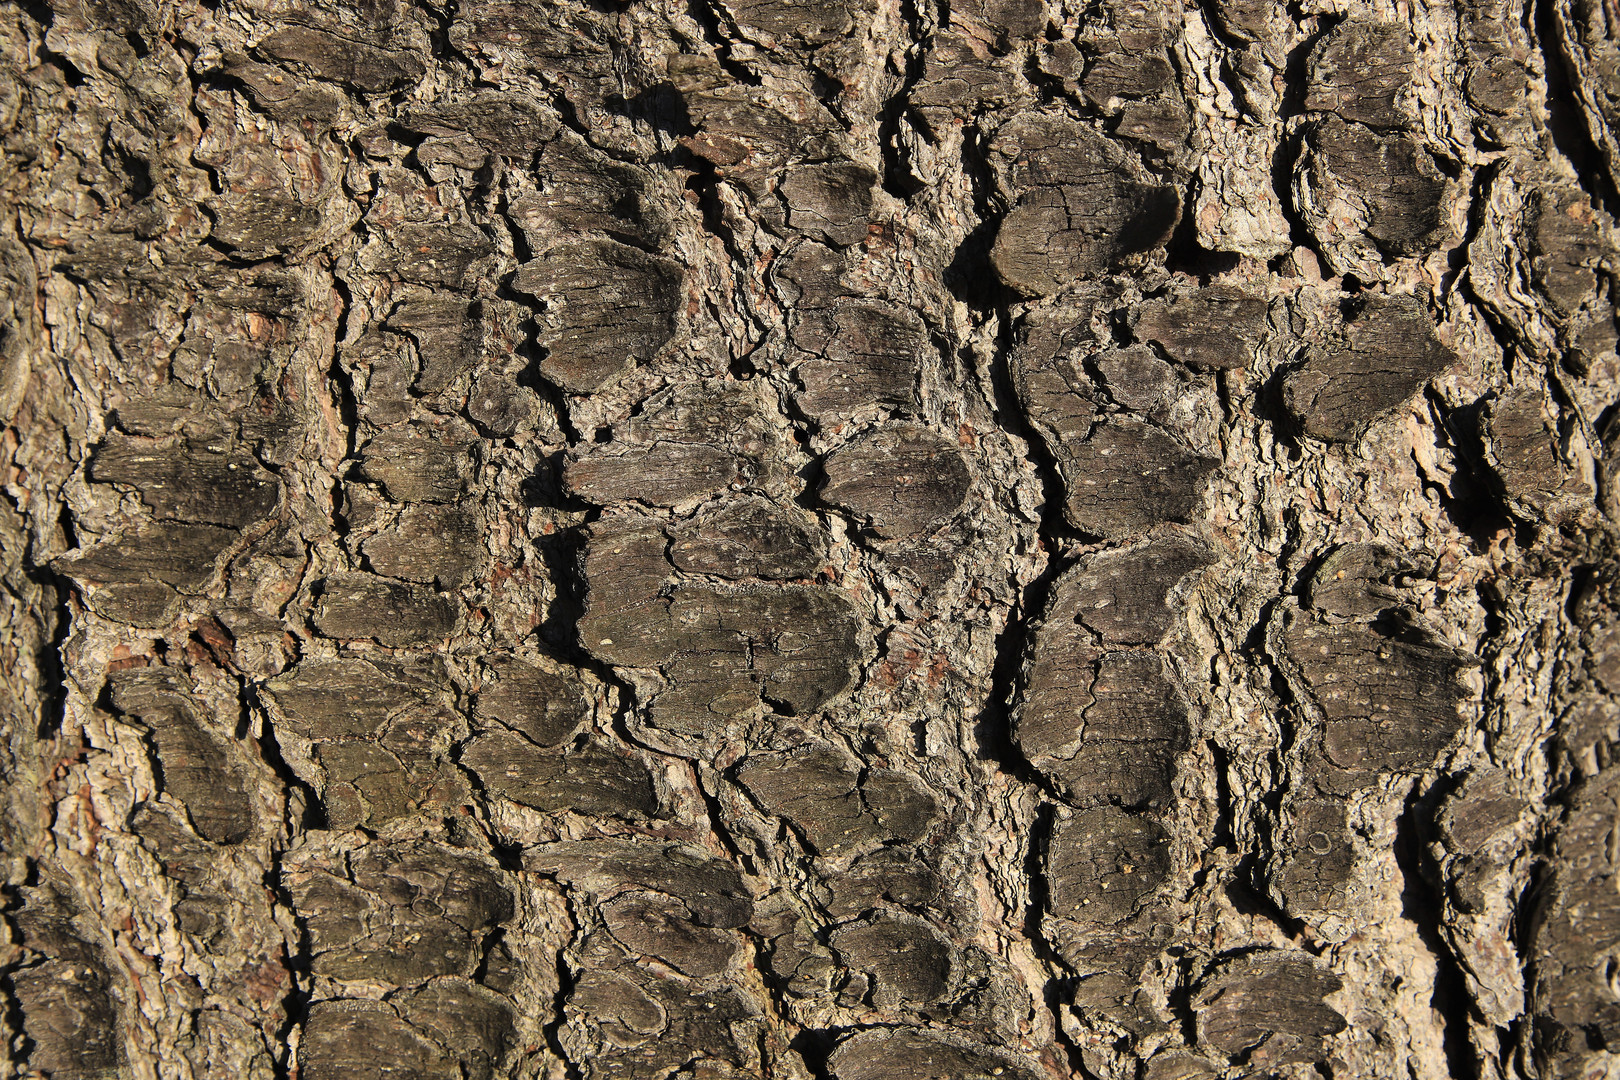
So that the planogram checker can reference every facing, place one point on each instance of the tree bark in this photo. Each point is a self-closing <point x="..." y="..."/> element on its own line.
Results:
<point x="764" y="538"/>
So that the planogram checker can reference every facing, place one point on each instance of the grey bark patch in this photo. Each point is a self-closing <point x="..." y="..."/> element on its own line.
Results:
<point x="863" y="353"/>
<point x="1576" y="941"/>
<point x="823" y="793"/>
<point x="892" y="875"/>
<point x="748" y="537"/>
<point x="1361" y="70"/>
<point x="655" y="925"/>
<point x="404" y="772"/>
<point x="202" y="906"/>
<point x="1268" y="1006"/>
<point x="424" y="461"/>
<point x="800" y="644"/>
<point x="341" y="55"/>
<point x="389" y="612"/>
<point x="50" y="923"/>
<point x="1048" y="371"/>
<point x="919" y="1054"/>
<point x="203" y="482"/>
<point x="1135" y="378"/>
<point x="1360" y="579"/>
<point x="831" y="202"/>
<point x="665" y="474"/>
<point x="901" y="480"/>
<point x="1315" y="861"/>
<point x="543" y="706"/>
<point x="429" y="543"/>
<point x="586" y="191"/>
<point x="366" y="784"/>
<point x="901" y="803"/>
<point x="284" y="99"/>
<point x="1014" y="21"/>
<point x="1105" y="731"/>
<point x="1214" y="327"/>
<point x="383" y="371"/>
<point x="472" y="1024"/>
<point x="1107" y="724"/>
<point x="1121" y="474"/>
<point x="197" y="769"/>
<point x="1179" y="1065"/>
<point x="1483" y="811"/>
<point x="706" y="1026"/>
<point x="438" y="253"/>
<point x="1162" y="125"/>
<point x="906" y="960"/>
<point x="609" y="307"/>
<point x="147" y="604"/>
<point x="1080" y="206"/>
<point x="1496" y="84"/>
<point x="1124" y="595"/>
<point x="574" y="47"/>
<point x="627" y="575"/>
<point x="775" y="22"/>
<point x="500" y="406"/>
<point x="216" y="247"/>
<point x="505" y="124"/>
<point x="178" y="555"/>
<point x="404" y="912"/>
<point x="723" y="650"/>
<point x="712" y="890"/>
<point x="743" y="125"/>
<point x="447" y="335"/>
<point x="615" y="1000"/>
<point x="957" y="81"/>
<point x="69" y="1018"/>
<point x="1388" y="704"/>
<point x="1118" y="74"/>
<point x="593" y="780"/>
<point x="1363" y="182"/>
<point x="1523" y="450"/>
<point x="1101" y="864"/>
<point x="690" y="441"/>
<point x="1110" y="989"/>
<point x="1387" y="351"/>
<point x="262" y="225"/>
<point x="68" y="1012"/>
<point x="1566" y="243"/>
<point x="352" y="1040"/>
<point x="345" y="698"/>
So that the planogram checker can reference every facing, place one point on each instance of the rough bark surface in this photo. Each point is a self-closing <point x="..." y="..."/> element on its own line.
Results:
<point x="618" y="539"/>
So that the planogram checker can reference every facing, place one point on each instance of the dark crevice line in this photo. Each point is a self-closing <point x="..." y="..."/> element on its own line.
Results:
<point x="56" y="619"/>
<point x="892" y="115"/>
<point x="552" y="1031"/>
<point x="1566" y="120"/>
<point x="1473" y="499"/>
<point x="1423" y="907"/>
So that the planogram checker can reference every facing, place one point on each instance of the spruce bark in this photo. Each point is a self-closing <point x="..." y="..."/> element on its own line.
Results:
<point x="760" y="538"/>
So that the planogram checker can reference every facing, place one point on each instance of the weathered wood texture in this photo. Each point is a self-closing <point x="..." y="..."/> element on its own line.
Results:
<point x="619" y="539"/>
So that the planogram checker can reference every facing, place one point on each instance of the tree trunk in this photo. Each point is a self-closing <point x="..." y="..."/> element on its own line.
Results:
<point x="637" y="538"/>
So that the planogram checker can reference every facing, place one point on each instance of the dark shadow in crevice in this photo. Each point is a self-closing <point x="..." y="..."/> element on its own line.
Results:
<point x="552" y="1031"/>
<point x="1566" y="122"/>
<point x="897" y="180"/>
<point x="1183" y="253"/>
<point x="1473" y="499"/>
<point x="1423" y="907"/>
